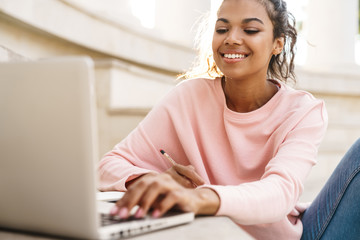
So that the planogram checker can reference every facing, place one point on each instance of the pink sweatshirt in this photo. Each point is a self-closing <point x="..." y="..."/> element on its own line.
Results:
<point x="257" y="162"/>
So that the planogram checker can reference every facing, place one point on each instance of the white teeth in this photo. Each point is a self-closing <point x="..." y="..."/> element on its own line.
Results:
<point x="234" y="56"/>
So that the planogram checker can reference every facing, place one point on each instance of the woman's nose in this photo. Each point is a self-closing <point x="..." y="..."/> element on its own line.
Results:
<point x="234" y="37"/>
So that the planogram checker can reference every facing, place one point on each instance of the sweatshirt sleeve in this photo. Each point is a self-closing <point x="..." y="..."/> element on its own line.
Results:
<point x="138" y="153"/>
<point x="125" y="162"/>
<point x="275" y="195"/>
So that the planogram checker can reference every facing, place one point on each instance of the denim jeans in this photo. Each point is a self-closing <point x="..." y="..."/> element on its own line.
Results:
<point x="335" y="212"/>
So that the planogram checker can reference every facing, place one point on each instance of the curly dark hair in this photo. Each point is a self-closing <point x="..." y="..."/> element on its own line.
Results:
<point x="281" y="66"/>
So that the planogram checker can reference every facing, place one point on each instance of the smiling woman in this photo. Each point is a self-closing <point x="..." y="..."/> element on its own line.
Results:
<point x="236" y="131"/>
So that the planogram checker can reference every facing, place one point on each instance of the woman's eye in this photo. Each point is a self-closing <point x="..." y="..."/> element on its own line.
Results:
<point x="221" y="30"/>
<point x="251" y="31"/>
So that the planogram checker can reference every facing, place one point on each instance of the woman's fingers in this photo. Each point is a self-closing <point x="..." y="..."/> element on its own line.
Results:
<point x="179" y="198"/>
<point x="145" y="193"/>
<point x="129" y="200"/>
<point x="165" y="204"/>
<point x="190" y="173"/>
<point x="183" y="181"/>
<point x="155" y="191"/>
<point x="133" y="195"/>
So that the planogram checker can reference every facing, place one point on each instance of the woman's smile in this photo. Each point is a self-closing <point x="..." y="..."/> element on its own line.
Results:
<point x="234" y="57"/>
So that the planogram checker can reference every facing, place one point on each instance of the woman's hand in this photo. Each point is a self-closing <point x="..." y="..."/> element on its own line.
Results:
<point x="185" y="175"/>
<point x="160" y="192"/>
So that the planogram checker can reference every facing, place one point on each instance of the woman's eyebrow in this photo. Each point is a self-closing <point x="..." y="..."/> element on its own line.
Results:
<point x="244" y="21"/>
<point x="222" y="20"/>
<point x="247" y="20"/>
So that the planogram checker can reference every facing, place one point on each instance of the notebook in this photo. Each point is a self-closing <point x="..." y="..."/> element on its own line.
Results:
<point x="48" y="155"/>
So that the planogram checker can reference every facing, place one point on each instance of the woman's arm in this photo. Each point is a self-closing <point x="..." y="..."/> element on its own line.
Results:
<point x="139" y="154"/>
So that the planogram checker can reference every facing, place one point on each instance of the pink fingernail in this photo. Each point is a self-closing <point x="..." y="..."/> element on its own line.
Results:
<point x="139" y="213"/>
<point x="123" y="213"/>
<point x="114" y="210"/>
<point x="156" y="213"/>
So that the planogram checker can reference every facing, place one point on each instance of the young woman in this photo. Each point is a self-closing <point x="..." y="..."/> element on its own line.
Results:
<point x="243" y="141"/>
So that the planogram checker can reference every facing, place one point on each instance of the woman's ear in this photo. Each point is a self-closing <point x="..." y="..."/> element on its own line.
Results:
<point x="278" y="45"/>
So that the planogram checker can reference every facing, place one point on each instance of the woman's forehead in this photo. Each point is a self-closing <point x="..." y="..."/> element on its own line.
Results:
<point x="240" y="9"/>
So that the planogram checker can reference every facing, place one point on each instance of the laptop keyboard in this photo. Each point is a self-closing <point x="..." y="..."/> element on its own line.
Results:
<point x="107" y="219"/>
<point x="134" y="226"/>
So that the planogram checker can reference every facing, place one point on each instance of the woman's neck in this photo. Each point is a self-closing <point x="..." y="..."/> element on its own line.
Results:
<point x="244" y="96"/>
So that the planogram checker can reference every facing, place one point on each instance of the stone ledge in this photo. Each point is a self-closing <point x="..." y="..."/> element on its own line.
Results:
<point x="61" y="19"/>
<point x="7" y="55"/>
<point x="330" y="82"/>
<point x="136" y="70"/>
<point x="130" y="90"/>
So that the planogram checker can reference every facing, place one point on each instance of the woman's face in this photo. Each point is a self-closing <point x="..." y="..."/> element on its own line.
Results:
<point x="243" y="40"/>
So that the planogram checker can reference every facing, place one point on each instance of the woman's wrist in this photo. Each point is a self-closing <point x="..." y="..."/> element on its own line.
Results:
<point x="135" y="178"/>
<point x="209" y="201"/>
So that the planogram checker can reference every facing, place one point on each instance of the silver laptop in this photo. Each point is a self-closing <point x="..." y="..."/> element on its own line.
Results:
<point x="48" y="153"/>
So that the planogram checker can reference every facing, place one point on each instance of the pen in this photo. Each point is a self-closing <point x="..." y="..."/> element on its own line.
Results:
<point x="168" y="157"/>
<point x="176" y="169"/>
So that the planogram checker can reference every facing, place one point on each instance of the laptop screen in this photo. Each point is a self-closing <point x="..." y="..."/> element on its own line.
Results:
<point x="48" y="146"/>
